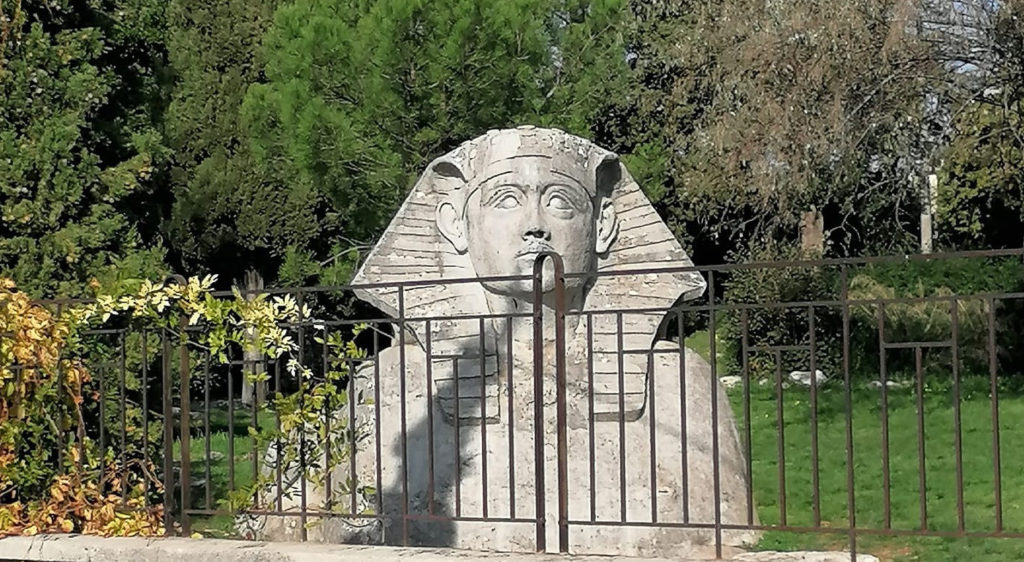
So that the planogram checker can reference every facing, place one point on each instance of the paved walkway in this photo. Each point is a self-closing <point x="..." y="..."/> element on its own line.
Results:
<point x="77" y="548"/>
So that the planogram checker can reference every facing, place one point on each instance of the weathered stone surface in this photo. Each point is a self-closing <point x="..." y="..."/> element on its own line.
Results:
<point x="454" y="406"/>
<point x="74" y="548"/>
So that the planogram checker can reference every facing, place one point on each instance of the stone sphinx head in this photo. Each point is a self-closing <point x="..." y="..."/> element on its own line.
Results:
<point x="520" y="192"/>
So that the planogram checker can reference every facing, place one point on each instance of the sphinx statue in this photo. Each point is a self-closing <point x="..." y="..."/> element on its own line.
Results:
<point x="454" y="396"/>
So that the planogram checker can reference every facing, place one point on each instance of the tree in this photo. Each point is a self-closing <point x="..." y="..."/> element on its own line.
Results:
<point x="228" y="217"/>
<point x="79" y="96"/>
<point x="751" y="113"/>
<point x="981" y="187"/>
<point x="360" y="96"/>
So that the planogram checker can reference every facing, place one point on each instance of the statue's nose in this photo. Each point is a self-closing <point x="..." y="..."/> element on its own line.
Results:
<point x="537" y="232"/>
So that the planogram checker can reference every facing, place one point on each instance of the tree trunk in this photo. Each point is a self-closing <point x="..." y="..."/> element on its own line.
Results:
<point x="253" y="361"/>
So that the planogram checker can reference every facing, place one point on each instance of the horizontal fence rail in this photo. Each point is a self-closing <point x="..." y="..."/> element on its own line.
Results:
<point x="837" y="402"/>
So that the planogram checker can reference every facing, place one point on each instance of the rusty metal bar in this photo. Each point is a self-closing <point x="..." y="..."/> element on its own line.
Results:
<point x="851" y="495"/>
<point x="715" y="456"/>
<point x="538" y="403"/>
<point x="781" y="437"/>
<point x="883" y="379"/>
<point x="957" y="429"/>
<point x="748" y="440"/>
<point x="815" y="469"/>
<point x="483" y="415"/>
<point x="402" y="407"/>
<point x="994" y="397"/>
<point x="684" y="445"/>
<point x="510" y="388"/>
<point x="922" y="483"/>
<point x="428" y="351"/>
<point x="186" y="416"/>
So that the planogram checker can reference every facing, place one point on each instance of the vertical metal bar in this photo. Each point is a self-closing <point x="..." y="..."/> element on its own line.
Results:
<point x="328" y="412"/>
<point x="851" y="508"/>
<point x="483" y="416"/>
<point x="884" y="380"/>
<point x="186" y="416"/>
<point x="561" y="416"/>
<point x="590" y="417"/>
<point x="781" y="441"/>
<point x="620" y="348"/>
<point x="994" y="397"/>
<point x="206" y="429"/>
<point x="921" y="474"/>
<point x="402" y="397"/>
<point x="60" y="390"/>
<point x="256" y="425"/>
<point x="303" y="528"/>
<point x="231" y="423"/>
<point x="538" y="403"/>
<point x="103" y="415"/>
<point x="376" y="416"/>
<point x="683" y="442"/>
<point x="430" y="417"/>
<point x="957" y="429"/>
<point x="510" y="388"/>
<point x="168" y="435"/>
<point x="123" y="418"/>
<point x="815" y="470"/>
<point x="747" y="441"/>
<point x="458" y="439"/>
<point x="654" y="440"/>
<point x="279" y="457"/>
<point x="145" y="414"/>
<point x="353" y="476"/>
<point x="715" y="460"/>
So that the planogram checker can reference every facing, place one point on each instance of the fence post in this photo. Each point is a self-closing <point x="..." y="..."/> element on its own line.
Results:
<point x="560" y="383"/>
<point x="185" y="412"/>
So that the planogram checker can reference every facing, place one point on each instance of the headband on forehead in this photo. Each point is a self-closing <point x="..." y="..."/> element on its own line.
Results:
<point x="461" y="171"/>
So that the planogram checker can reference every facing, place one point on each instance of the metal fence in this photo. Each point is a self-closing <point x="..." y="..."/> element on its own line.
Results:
<point x="426" y="440"/>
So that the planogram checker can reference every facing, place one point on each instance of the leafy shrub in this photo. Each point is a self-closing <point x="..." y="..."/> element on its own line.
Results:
<point x="789" y="325"/>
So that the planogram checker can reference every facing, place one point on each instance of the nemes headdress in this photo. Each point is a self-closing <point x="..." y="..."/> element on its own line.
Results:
<point x="413" y="248"/>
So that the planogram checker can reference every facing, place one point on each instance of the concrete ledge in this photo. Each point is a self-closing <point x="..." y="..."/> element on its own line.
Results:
<point x="76" y="548"/>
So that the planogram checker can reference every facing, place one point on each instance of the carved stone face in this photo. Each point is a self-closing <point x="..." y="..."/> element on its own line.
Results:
<point x="522" y="206"/>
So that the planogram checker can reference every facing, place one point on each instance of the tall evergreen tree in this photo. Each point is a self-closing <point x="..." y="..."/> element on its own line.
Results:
<point x="80" y="94"/>
<point x="228" y="216"/>
<point x="360" y="96"/>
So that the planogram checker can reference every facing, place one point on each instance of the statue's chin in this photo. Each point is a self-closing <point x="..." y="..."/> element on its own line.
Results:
<point x="522" y="289"/>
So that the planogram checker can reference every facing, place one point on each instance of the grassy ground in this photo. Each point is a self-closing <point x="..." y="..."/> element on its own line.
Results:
<point x="905" y="491"/>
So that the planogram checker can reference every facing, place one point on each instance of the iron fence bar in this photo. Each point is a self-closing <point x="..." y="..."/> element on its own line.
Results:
<point x="185" y="405"/>
<point x="957" y="428"/>
<point x="592" y="467"/>
<point x="206" y="430"/>
<point x="328" y="413"/>
<point x="560" y="407"/>
<point x="747" y="422"/>
<point x="715" y="460"/>
<point x="851" y="509"/>
<point x="510" y="388"/>
<point x="922" y="483"/>
<point x="168" y="435"/>
<point x="883" y="379"/>
<point x="145" y="413"/>
<point x="458" y="438"/>
<point x="121" y="367"/>
<point x="622" y="417"/>
<point x="815" y="484"/>
<point x="684" y="444"/>
<point x="483" y="416"/>
<point x="428" y="351"/>
<point x="377" y="421"/>
<point x="538" y="403"/>
<point x="402" y="407"/>
<point x="303" y="528"/>
<point x="994" y="397"/>
<point x="231" y="425"/>
<point x="780" y="437"/>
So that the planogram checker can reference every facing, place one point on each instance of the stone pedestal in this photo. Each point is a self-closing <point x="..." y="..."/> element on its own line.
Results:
<point x="604" y="488"/>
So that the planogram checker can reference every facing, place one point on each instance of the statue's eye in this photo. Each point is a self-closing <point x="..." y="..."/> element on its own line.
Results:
<point x="507" y="201"/>
<point x="559" y="203"/>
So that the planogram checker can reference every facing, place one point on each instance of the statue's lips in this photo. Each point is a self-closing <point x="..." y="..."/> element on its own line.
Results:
<point x="532" y="251"/>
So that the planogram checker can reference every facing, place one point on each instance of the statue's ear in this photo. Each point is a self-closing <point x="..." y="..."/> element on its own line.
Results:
<point x="448" y="178"/>
<point x="606" y="176"/>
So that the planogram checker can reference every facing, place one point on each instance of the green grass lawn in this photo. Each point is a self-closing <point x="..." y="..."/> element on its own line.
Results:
<point x="905" y="491"/>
